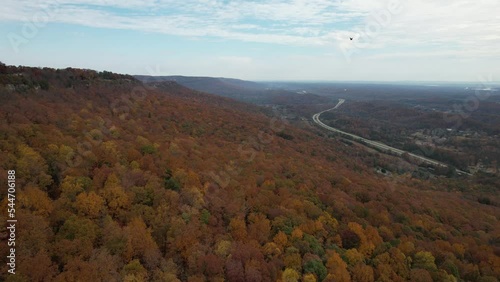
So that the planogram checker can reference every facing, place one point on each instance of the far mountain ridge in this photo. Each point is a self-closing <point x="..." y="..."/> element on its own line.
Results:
<point x="242" y="90"/>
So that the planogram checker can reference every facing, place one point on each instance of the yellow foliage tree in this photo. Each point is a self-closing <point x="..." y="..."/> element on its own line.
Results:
<point x="292" y="259"/>
<point x="369" y="238"/>
<point x="116" y="199"/>
<point x="112" y="181"/>
<point x="270" y="250"/>
<point x="392" y="265"/>
<point x="290" y="275"/>
<point x="134" y="272"/>
<point x="354" y="257"/>
<point x="309" y="277"/>
<point x="89" y="204"/>
<point x="329" y="222"/>
<point x="71" y="187"/>
<point x="222" y="248"/>
<point x="35" y="200"/>
<point x="31" y="167"/>
<point x="424" y="260"/>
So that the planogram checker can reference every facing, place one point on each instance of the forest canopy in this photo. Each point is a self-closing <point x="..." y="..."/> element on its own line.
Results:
<point x="123" y="181"/>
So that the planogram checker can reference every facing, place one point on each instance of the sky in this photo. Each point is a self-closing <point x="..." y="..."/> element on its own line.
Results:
<point x="393" y="40"/>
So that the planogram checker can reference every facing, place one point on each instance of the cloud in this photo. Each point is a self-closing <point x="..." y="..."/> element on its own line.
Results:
<point x="462" y="27"/>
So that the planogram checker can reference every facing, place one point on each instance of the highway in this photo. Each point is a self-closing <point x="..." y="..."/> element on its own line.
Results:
<point x="375" y="144"/>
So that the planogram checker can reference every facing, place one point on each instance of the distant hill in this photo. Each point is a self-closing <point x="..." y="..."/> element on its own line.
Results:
<point x="214" y="85"/>
<point x="247" y="91"/>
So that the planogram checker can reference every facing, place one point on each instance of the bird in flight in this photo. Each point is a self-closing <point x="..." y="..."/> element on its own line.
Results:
<point x="350" y="38"/>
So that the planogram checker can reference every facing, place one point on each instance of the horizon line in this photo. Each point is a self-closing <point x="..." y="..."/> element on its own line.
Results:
<point x="280" y="80"/>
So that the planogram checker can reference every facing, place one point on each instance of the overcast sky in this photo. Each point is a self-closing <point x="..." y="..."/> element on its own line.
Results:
<point x="393" y="40"/>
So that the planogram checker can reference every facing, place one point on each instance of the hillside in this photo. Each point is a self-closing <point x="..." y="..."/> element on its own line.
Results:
<point x="123" y="181"/>
<point x="209" y="84"/>
<point x="242" y="90"/>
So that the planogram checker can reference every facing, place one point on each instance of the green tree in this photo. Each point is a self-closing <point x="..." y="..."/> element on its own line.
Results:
<point x="170" y="182"/>
<point x="317" y="267"/>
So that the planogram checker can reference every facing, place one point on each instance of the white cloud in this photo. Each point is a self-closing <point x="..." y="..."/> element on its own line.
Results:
<point x="447" y="27"/>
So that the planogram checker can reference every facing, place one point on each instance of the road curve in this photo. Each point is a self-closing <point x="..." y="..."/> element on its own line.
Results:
<point x="375" y="144"/>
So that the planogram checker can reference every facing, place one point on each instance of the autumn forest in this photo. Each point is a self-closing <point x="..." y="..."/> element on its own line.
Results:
<point x="123" y="180"/>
